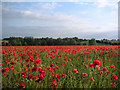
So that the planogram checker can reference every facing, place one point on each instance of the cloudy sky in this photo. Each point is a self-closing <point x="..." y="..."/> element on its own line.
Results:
<point x="60" y="19"/>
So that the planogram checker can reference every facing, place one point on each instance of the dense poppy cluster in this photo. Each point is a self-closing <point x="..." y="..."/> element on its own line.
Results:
<point x="60" y="66"/>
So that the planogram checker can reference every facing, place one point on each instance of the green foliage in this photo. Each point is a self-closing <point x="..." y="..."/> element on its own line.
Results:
<point x="30" y="41"/>
<point x="92" y="42"/>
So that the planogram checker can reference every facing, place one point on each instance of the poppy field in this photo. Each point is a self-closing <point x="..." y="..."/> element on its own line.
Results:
<point x="60" y="67"/>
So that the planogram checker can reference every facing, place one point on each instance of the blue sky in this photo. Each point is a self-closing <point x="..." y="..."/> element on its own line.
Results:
<point x="60" y="19"/>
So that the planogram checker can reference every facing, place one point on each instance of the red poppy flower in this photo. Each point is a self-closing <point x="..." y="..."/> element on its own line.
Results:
<point x="51" y="65"/>
<point x="21" y="85"/>
<point x="29" y="76"/>
<point x="56" y="67"/>
<point x="38" y="61"/>
<point x="20" y="61"/>
<point x="43" y="72"/>
<point x="105" y="69"/>
<point x="17" y="73"/>
<point x="23" y="73"/>
<point x="27" y="60"/>
<point x="112" y="66"/>
<point x="85" y="65"/>
<point x="63" y="75"/>
<point x="97" y="62"/>
<point x="113" y="84"/>
<point x="28" y="65"/>
<point x="57" y="76"/>
<point x="40" y="78"/>
<point x="2" y="64"/>
<point x="108" y="71"/>
<point x="75" y="70"/>
<point x="13" y="71"/>
<point x="92" y="79"/>
<point x="84" y="74"/>
<point x="63" y="64"/>
<point x="97" y="66"/>
<point x="119" y="72"/>
<point x="65" y="59"/>
<point x="91" y="65"/>
<point x="34" y="69"/>
<point x="6" y="69"/>
<point x="34" y="77"/>
<point x="25" y="68"/>
<point x="11" y="67"/>
<point x="54" y="80"/>
<point x="115" y="77"/>
<point x="112" y="73"/>
<point x="12" y="63"/>
<point x="54" y="84"/>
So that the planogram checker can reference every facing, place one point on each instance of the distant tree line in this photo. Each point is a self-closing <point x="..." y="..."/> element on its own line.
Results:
<point x="30" y="41"/>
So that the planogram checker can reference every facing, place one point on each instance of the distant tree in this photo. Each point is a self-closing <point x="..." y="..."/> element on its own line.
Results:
<point x="28" y="41"/>
<point x="98" y="41"/>
<point x="92" y="42"/>
<point x="84" y="44"/>
<point x="110" y="43"/>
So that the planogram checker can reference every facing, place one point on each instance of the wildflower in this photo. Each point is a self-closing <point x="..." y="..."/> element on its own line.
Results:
<point x="21" y="85"/>
<point x="63" y="64"/>
<point x="51" y="65"/>
<point x="119" y="72"/>
<point x="112" y="73"/>
<point x="63" y="75"/>
<point x="13" y="71"/>
<point x="11" y="67"/>
<point x="112" y="66"/>
<point x="115" y="77"/>
<point x="57" y="76"/>
<point x="17" y="73"/>
<point x="75" y="70"/>
<point x="108" y="71"/>
<point x="25" y="68"/>
<point x="85" y="65"/>
<point x="105" y="69"/>
<point x="34" y="69"/>
<point x="92" y="79"/>
<point x="113" y="84"/>
<point x="97" y="62"/>
<point x="28" y="65"/>
<point x="38" y="61"/>
<point x="56" y="67"/>
<point x="20" y="61"/>
<point x="91" y="65"/>
<point x="40" y="78"/>
<point x="29" y="76"/>
<point x="99" y="73"/>
<point x="97" y="66"/>
<point x="54" y="84"/>
<point x="84" y="74"/>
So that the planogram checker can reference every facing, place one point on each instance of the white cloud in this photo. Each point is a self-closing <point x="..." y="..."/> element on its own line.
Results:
<point x="83" y="12"/>
<point x="51" y="5"/>
<point x="106" y="3"/>
<point x="113" y="13"/>
<point x="83" y="3"/>
<point x="64" y="22"/>
<point x="57" y="21"/>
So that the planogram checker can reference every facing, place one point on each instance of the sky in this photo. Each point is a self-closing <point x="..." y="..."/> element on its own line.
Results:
<point x="97" y="20"/>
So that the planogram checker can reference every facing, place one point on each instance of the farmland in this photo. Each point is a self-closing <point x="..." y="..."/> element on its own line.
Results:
<point x="60" y="67"/>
